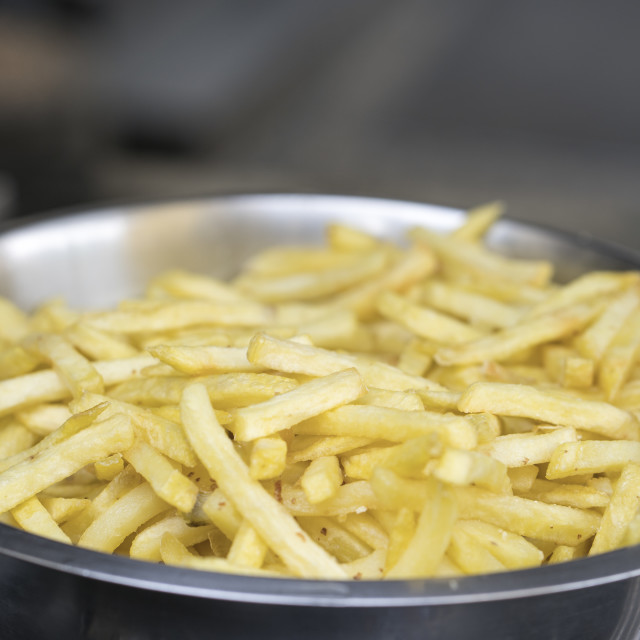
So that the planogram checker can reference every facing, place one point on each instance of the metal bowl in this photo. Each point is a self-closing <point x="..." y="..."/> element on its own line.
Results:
<point x="51" y="590"/>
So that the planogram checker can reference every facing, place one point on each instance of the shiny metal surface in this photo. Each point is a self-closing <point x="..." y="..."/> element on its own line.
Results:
<point x="52" y="590"/>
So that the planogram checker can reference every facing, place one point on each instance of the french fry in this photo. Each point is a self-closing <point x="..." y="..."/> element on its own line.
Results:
<point x="512" y="550"/>
<point x="620" y="511"/>
<point x="550" y="406"/>
<point x="30" y="476"/>
<point x="122" y="518"/>
<point x="431" y="538"/>
<point x="302" y="403"/>
<point x="524" y="449"/>
<point x="33" y="517"/>
<point x="268" y="458"/>
<point x="529" y="518"/>
<point x="471" y="556"/>
<point x="321" y="479"/>
<point x="512" y="340"/>
<point x="247" y="548"/>
<point x="146" y="544"/>
<point x="479" y="220"/>
<point x="394" y="425"/>
<point x="593" y="456"/>
<point x="270" y="520"/>
<point x="167" y="481"/>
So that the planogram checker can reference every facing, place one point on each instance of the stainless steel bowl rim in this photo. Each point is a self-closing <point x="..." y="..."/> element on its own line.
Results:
<point x="579" y="574"/>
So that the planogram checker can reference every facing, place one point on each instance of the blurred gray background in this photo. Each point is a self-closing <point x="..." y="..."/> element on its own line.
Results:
<point x="454" y="102"/>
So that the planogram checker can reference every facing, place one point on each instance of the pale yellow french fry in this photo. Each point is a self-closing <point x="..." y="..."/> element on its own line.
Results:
<point x="564" y="553"/>
<point x="62" y="509"/>
<point x="406" y="400"/>
<point x="321" y="479"/>
<point x="291" y="259"/>
<point x="471" y="556"/>
<point x="578" y="373"/>
<point x="33" y="517"/>
<point x="167" y="481"/>
<point x="290" y="408"/>
<point x="413" y="360"/>
<point x="179" y="315"/>
<point x="424" y="322"/>
<point x="97" y="344"/>
<point x="618" y="360"/>
<point x="341" y="237"/>
<point x="593" y="342"/>
<point x="206" y="359"/>
<point x="109" y="468"/>
<point x="460" y="467"/>
<point x="522" y="478"/>
<point x="44" y="418"/>
<point x="554" y="407"/>
<point x="166" y="436"/>
<point x="478" y="221"/>
<point x="512" y="340"/>
<point x="173" y="552"/>
<point x="412" y="267"/>
<point x="247" y="548"/>
<point x="122" y="518"/>
<point x="16" y="361"/>
<point x="402" y="530"/>
<point x="14" y="323"/>
<point x="394" y="425"/>
<point x="75" y="371"/>
<point x="620" y="511"/>
<point x="304" y="448"/>
<point x="511" y="549"/>
<point x="46" y="386"/>
<point x="14" y="438"/>
<point x="270" y="520"/>
<point x="48" y="466"/>
<point x="307" y="285"/>
<point x="475" y="308"/>
<point x="592" y="456"/>
<point x="226" y="390"/>
<point x="146" y="544"/>
<point x="354" y="497"/>
<point x="222" y="513"/>
<point x="360" y="465"/>
<point x="366" y="528"/>
<point x="292" y="357"/>
<point x="179" y="283"/>
<point x="529" y="518"/>
<point x="268" y="458"/>
<point x="524" y="449"/>
<point x="392" y="491"/>
<point x="126" y="480"/>
<point x="570" y="495"/>
<point x="370" y="567"/>
<point x="481" y="262"/>
<point x="334" y="538"/>
<point x="589" y="286"/>
<point x="433" y="532"/>
<point x="444" y="400"/>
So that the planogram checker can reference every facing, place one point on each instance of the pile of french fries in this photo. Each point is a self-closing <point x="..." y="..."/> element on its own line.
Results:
<point x="358" y="410"/>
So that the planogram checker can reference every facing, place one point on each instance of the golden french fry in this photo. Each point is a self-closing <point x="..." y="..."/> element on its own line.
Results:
<point x="270" y="520"/>
<point x="146" y="544"/>
<point x="122" y="518"/>
<point x="432" y="535"/>
<point x="529" y="518"/>
<point x="167" y="481"/>
<point x="592" y="456"/>
<point x="48" y="466"/>
<point x="33" y="517"/>
<point x="551" y="406"/>
<point x="302" y="403"/>
<point x="620" y="511"/>
<point x="321" y="479"/>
